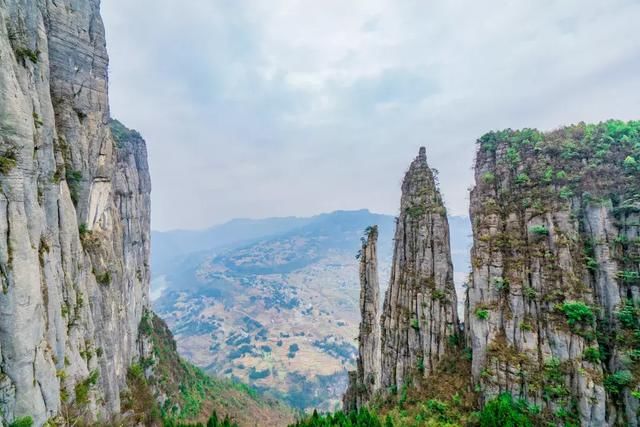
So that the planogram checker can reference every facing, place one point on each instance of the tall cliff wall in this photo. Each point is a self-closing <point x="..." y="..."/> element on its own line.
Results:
<point x="365" y="380"/>
<point x="74" y="217"/>
<point x="419" y="314"/>
<point x="553" y="304"/>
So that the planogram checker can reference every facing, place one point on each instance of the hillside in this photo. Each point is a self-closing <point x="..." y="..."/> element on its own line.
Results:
<point x="281" y="311"/>
<point x="164" y="389"/>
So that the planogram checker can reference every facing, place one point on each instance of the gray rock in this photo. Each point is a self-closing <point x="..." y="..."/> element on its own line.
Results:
<point x="366" y="379"/>
<point x="419" y="314"/>
<point x="74" y="215"/>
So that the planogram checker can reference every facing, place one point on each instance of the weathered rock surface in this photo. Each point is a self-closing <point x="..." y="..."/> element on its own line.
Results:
<point x="365" y="380"/>
<point x="552" y="309"/>
<point x="74" y="217"/>
<point x="419" y="313"/>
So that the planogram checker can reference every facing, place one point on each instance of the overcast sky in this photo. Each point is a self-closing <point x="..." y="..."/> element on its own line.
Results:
<point x="278" y="107"/>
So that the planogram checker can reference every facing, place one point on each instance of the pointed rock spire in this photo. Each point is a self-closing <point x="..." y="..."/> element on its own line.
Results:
<point x="419" y="313"/>
<point x="365" y="380"/>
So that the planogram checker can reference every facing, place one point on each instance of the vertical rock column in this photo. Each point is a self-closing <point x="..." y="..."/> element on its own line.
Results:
<point x="553" y="306"/>
<point x="365" y="380"/>
<point x="419" y="313"/>
<point x="74" y="219"/>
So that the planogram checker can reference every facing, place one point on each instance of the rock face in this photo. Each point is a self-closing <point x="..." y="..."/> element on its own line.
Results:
<point x="419" y="314"/>
<point x="552" y="307"/>
<point x="365" y="380"/>
<point x="74" y="217"/>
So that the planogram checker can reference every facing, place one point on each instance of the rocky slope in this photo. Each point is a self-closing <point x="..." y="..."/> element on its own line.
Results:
<point x="74" y="217"/>
<point x="366" y="378"/>
<point x="420" y="309"/>
<point x="552" y="310"/>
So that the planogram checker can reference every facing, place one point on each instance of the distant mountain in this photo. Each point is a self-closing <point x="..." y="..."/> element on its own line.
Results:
<point x="274" y="302"/>
<point x="170" y="247"/>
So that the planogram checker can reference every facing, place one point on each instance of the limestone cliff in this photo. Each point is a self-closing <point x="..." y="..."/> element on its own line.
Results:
<point x="74" y="217"/>
<point x="365" y="380"/>
<point x="553" y="304"/>
<point x="419" y="314"/>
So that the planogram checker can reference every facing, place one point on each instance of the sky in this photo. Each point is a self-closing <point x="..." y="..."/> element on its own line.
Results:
<point x="262" y="108"/>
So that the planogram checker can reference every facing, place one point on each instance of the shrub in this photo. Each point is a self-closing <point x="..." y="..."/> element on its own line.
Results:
<point x="630" y="162"/>
<point x="539" y="230"/>
<point x="628" y="315"/>
<point x="513" y="157"/>
<point x="592" y="354"/>
<point x="8" y="161"/>
<point x="501" y="285"/>
<point x="415" y="211"/>
<point x="577" y="312"/>
<point x="23" y="53"/>
<point x="482" y="313"/>
<point x="614" y="383"/>
<point x="83" y="387"/>
<point x="566" y="193"/>
<point x="504" y="410"/>
<point x="22" y="422"/>
<point x="104" y="278"/>
<point x="522" y="178"/>
<point x="74" y="179"/>
<point x="488" y="178"/>
<point x="630" y="277"/>
<point x="414" y="324"/>
<point x="526" y="327"/>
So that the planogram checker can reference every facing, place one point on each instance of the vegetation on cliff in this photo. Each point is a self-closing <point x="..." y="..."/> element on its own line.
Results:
<point x="164" y="389"/>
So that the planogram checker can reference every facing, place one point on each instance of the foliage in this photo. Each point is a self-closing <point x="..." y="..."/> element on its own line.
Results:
<point x="362" y="418"/>
<point x="522" y="179"/>
<point x="539" y="230"/>
<point x="554" y="384"/>
<point x="628" y="315"/>
<point x="630" y="162"/>
<point x="482" y="313"/>
<point x="577" y="312"/>
<point x="505" y="411"/>
<point x="213" y="421"/>
<point x="614" y="383"/>
<point x="83" y="387"/>
<point x="104" y="278"/>
<point x="22" y="422"/>
<point x="121" y="133"/>
<point x="630" y="277"/>
<point x="74" y="181"/>
<point x="415" y="212"/>
<point x="488" y="178"/>
<point x="592" y="354"/>
<point x="190" y="391"/>
<point x="8" y="161"/>
<point x="23" y="54"/>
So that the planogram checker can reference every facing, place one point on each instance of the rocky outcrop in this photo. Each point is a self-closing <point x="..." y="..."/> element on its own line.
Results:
<point x="552" y="307"/>
<point x="419" y="313"/>
<point x="74" y="218"/>
<point x="365" y="380"/>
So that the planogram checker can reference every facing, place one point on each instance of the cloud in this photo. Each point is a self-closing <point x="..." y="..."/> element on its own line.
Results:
<point x="261" y="108"/>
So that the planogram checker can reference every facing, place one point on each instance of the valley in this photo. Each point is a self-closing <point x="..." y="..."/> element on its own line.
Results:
<point x="279" y="308"/>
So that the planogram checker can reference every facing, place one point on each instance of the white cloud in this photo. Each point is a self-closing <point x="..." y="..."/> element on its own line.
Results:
<point x="260" y="108"/>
